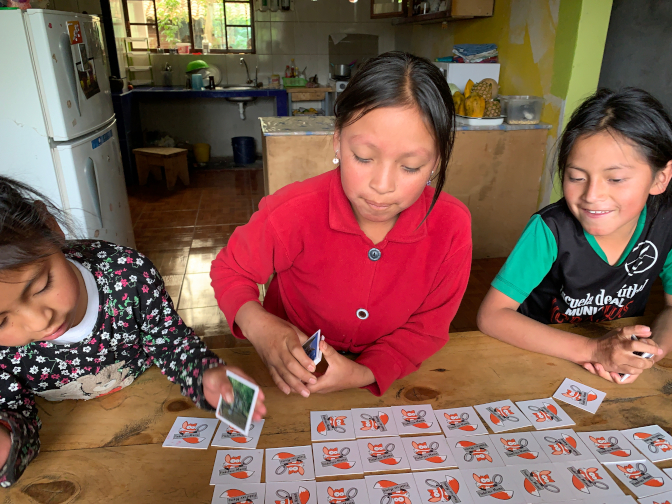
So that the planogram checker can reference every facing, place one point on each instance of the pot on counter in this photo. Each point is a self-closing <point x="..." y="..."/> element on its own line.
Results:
<point x="341" y="71"/>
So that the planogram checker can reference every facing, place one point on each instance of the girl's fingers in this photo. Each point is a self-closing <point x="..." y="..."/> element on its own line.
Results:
<point x="300" y="355"/>
<point x="588" y="366"/>
<point x="298" y="370"/>
<point x="284" y="388"/>
<point x="602" y="373"/>
<point x="291" y="380"/>
<point x="646" y="346"/>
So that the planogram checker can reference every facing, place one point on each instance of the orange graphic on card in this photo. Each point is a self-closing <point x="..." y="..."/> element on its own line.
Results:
<point x="236" y="494"/>
<point x="411" y="418"/>
<point x="518" y="448"/>
<point x="577" y="395"/>
<point x="609" y="446"/>
<point x="475" y="451"/>
<point x="655" y="442"/>
<point x="374" y="423"/>
<point x="290" y="463"/>
<point x="334" y="457"/>
<point x="341" y="495"/>
<point x="189" y="432"/>
<point x="461" y="422"/>
<point x="330" y="423"/>
<point x="300" y="497"/>
<point x="382" y="453"/>
<point x="395" y="492"/>
<point x="491" y="487"/>
<point x="236" y="466"/>
<point x="640" y="474"/>
<point x="443" y="491"/>
<point x="427" y="452"/>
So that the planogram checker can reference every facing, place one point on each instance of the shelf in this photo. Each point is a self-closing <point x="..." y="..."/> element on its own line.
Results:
<point x="434" y="17"/>
<point x="139" y="82"/>
<point x="136" y="39"/>
<point x="144" y="68"/>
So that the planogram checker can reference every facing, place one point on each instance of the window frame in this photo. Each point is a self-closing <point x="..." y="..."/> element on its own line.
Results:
<point x="155" y="24"/>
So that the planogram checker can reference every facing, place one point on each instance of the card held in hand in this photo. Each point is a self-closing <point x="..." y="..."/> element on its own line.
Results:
<point x="238" y="414"/>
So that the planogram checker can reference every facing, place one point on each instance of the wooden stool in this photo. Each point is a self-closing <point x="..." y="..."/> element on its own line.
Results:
<point x="173" y="161"/>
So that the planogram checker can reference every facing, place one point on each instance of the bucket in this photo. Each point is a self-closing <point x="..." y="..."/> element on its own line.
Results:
<point x="202" y="152"/>
<point x="243" y="150"/>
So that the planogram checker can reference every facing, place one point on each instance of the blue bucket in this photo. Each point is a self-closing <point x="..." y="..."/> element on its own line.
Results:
<point x="244" y="152"/>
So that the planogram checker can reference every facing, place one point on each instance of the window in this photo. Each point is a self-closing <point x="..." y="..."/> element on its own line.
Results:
<point x="227" y="25"/>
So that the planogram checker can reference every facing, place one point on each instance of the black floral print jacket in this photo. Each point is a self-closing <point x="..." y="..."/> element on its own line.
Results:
<point x="137" y="326"/>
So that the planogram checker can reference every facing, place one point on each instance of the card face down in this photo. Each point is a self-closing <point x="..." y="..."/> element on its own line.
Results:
<point x="383" y="455"/>
<point x="229" y="437"/>
<point x="291" y="463"/>
<point x="442" y="486"/>
<point x="191" y="432"/>
<point x="502" y="416"/>
<point x="352" y="491"/>
<point x="334" y="425"/>
<point x="374" y="422"/>
<point x="414" y="420"/>
<point x="580" y="395"/>
<point x="240" y="466"/>
<point x="291" y="492"/>
<point x="460" y="422"/>
<point x="653" y="441"/>
<point x="337" y="458"/>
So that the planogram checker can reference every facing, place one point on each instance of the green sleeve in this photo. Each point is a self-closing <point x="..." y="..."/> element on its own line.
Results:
<point x="666" y="274"/>
<point x="529" y="262"/>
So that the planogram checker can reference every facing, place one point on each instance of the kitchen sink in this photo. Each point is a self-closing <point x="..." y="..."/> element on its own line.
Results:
<point x="241" y="87"/>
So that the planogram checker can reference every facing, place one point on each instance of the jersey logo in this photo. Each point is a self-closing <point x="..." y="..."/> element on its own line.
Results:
<point x="646" y="258"/>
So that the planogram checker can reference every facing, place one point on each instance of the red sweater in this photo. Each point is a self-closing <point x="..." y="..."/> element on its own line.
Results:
<point x="394" y="311"/>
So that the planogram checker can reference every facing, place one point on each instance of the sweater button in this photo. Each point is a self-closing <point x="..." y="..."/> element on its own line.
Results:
<point x="374" y="254"/>
<point x="362" y="314"/>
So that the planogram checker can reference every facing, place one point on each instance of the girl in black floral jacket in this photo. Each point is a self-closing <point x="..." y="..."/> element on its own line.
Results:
<point x="80" y="320"/>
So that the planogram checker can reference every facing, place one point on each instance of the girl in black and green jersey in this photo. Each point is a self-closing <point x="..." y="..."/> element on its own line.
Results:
<point x="594" y="255"/>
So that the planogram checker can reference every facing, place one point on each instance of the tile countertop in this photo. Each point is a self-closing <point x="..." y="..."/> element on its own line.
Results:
<point x="320" y="125"/>
<point x="205" y="93"/>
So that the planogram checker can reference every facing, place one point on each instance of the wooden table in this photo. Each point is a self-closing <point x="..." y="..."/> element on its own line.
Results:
<point x="109" y="449"/>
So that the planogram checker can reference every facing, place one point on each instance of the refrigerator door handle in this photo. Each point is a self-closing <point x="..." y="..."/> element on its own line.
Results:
<point x="69" y="62"/>
<point x="92" y="182"/>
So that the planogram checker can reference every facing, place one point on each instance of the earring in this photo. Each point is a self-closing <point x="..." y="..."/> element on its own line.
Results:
<point x="429" y="182"/>
<point x="336" y="160"/>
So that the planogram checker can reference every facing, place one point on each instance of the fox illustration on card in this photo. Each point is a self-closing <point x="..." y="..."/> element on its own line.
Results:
<point x="609" y="446"/>
<point x="341" y="495"/>
<point x="461" y="422"/>
<point x="655" y="442"/>
<point x="382" y="453"/>
<point x="236" y="436"/>
<point x="440" y="491"/>
<point x="638" y="475"/>
<point x="236" y="466"/>
<point x="501" y="414"/>
<point x="518" y="449"/>
<point x="428" y="452"/>
<point x="491" y="487"/>
<point x="415" y="419"/>
<point x="189" y="432"/>
<point x="335" y="458"/>
<point x="584" y="479"/>
<point x="375" y="423"/>
<point x="329" y="423"/>
<point x="291" y="463"/>
<point x="395" y="492"/>
<point x="300" y="497"/>
<point x="538" y="481"/>
<point x="238" y="496"/>
<point x="546" y="413"/>
<point x="579" y="395"/>
<point x="565" y="445"/>
<point x="475" y="451"/>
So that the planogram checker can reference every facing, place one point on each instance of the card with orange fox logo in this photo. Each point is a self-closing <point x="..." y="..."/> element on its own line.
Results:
<point x="239" y="493"/>
<point x="240" y="466"/>
<point x="474" y="452"/>
<point x="643" y="479"/>
<point x="374" y="422"/>
<point x="352" y="491"/>
<point x="331" y="425"/>
<point x="460" y="422"/>
<point x="383" y="455"/>
<point x="561" y="445"/>
<point x="502" y="416"/>
<point x="337" y="458"/>
<point x="545" y="414"/>
<point x="292" y="463"/>
<point x="518" y="448"/>
<point x="543" y="482"/>
<point x="653" y="441"/>
<point x="589" y="480"/>
<point x="494" y="485"/>
<point x="442" y="486"/>
<point x="427" y="453"/>
<point x="416" y="419"/>
<point x="188" y="432"/>
<point x="230" y="437"/>
<point x="291" y="492"/>
<point x="610" y="446"/>
<point x="392" y="489"/>
<point x="665" y="498"/>
<point x="579" y="395"/>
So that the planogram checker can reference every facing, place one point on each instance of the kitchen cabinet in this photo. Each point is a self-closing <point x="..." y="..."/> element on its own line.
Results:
<point x="441" y="11"/>
<point x="388" y="8"/>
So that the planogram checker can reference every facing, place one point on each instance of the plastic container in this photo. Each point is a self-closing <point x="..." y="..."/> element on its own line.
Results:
<point x="478" y="121"/>
<point x="202" y="152"/>
<point x="244" y="151"/>
<point x="294" y="82"/>
<point x="183" y="47"/>
<point x="522" y="109"/>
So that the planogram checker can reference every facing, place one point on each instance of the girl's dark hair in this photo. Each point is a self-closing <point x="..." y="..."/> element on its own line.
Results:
<point x="27" y="220"/>
<point x="399" y="79"/>
<point x="632" y="113"/>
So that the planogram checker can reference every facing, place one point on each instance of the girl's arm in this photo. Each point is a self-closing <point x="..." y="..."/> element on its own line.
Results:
<point x="662" y="328"/>
<point x="497" y="317"/>
<point x="19" y="429"/>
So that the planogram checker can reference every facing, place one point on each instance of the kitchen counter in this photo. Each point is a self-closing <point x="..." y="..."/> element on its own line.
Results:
<point x="494" y="170"/>
<point x="283" y="126"/>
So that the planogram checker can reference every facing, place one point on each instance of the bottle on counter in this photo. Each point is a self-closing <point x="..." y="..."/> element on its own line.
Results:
<point x="293" y="68"/>
<point x="288" y="71"/>
<point x="285" y="4"/>
<point x="263" y="5"/>
<point x="205" y="44"/>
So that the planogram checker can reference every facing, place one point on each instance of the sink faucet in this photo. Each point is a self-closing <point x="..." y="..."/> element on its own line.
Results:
<point x="243" y="62"/>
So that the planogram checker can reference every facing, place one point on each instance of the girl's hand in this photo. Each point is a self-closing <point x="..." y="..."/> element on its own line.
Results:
<point x="5" y="445"/>
<point x="342" y="372"/>
<point x="613" y="353"/>
<point x="216" y="383"/>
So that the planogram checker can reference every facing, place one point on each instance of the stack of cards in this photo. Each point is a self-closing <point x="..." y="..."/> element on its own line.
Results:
<point x="312" y="347"/>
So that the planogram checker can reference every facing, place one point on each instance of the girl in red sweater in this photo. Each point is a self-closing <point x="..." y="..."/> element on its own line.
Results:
<point x="368" y="252"/>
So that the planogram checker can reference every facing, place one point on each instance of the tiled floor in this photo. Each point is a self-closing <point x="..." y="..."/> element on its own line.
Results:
<point x="182" y="231"/>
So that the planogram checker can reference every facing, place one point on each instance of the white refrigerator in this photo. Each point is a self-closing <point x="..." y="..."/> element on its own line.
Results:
<point x="57" y="126"/>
